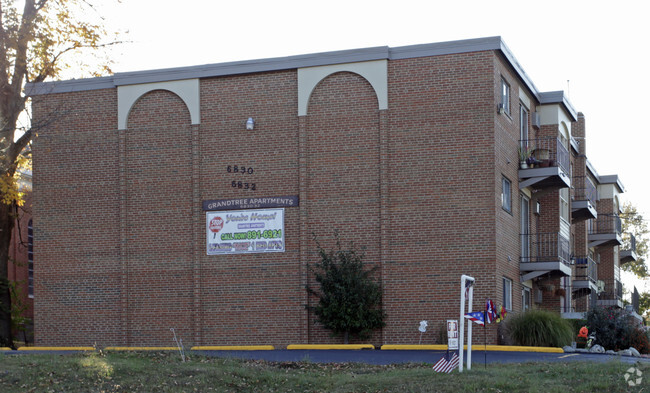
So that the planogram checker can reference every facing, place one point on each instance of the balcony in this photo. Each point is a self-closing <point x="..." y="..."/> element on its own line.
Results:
<point x="635" y="300"/>
<point x="577" y="306"/>
<point x="605" y="231"/>
<point x="549" y="165"/>
<point x="630" y="254"/>
<point x="610" y="293"/>
<point x="585" y="275"/>
<point x="583" y="199"/>
<point x="544" y="254"/>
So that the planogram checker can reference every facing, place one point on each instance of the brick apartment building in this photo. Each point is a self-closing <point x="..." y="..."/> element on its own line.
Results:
<point x="143" y="179"/>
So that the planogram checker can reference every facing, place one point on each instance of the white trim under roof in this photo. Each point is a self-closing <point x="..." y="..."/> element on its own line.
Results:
<point x="375" y="72"/>
<point x="187" y="90"/>
<point x="303" y="61"/>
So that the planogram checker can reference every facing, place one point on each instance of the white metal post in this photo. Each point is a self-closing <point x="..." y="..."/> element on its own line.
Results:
<point x="469" y="328"/>
<point x="461" y="330"/>
<point x="461" y="337"/>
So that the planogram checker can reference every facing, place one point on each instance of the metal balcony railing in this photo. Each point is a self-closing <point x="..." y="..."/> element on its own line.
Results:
<point x="579" y="304"/>
<point x="584" y="189"/>
<point x="545" y="247"/>
<point x="548" y="152"/>
<point x="586" y="269"/>
<point x="613" y="290"/>
<point x="605" y="223"/>
<point x="578" y="301"/>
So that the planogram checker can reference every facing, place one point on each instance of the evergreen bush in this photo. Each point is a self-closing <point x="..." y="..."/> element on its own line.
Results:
<point x="349" y="299"/>
<point x="540" y="328"/>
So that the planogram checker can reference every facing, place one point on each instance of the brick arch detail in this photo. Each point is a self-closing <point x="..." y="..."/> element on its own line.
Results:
<point x="187" y="90"/>
<point x="375" y="72"/>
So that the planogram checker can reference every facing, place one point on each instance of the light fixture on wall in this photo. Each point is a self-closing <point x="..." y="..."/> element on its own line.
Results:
<point x="250" y="124"/>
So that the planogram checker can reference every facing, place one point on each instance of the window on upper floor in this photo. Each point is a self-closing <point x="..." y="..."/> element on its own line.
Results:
<point x="523" y="124"/>
<point x="506" y="198"/>
<point x="505" y="97"/>
<point x="564" y="204"/>
<point x="524" y="227"/>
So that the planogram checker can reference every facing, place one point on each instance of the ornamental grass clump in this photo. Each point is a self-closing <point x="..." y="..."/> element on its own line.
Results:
<point x="540" y="328"/>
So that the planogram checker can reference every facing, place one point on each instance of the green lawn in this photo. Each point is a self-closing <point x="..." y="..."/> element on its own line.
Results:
<point x="164" y="372"/>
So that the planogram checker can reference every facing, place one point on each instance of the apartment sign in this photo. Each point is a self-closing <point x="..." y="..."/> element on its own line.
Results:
<point x="244" y="231"/>
<point x="251" y="203"/>
<point x="452" y="334"/>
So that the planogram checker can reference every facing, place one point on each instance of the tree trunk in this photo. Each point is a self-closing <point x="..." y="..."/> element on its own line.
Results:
<point x="6" y="228"/>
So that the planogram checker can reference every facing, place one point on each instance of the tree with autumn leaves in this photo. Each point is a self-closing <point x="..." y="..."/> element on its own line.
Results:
<point x="38" y="42"/>
<point x="635" y="225"/>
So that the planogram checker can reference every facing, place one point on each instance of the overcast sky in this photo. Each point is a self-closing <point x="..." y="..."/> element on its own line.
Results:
<point x="596" y="51"/>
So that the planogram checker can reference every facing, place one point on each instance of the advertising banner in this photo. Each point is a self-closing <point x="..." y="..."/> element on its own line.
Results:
<point x="245" y="231"/>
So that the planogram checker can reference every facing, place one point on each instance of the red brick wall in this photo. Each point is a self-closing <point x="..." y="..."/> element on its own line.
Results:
<point x="76" y="220"/>
<point x="442" y="190"/>
<point x="158" y="220"/>
<point x="252" y="298"/>
<point x="342" y="183"/>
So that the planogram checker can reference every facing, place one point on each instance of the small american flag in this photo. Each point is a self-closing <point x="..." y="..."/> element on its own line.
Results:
<point x="468" y="284"/>
<point x="446" y="365"/>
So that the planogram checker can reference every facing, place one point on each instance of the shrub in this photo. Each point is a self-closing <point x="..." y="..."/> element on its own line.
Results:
<point x="349" y="299"/>
<point x="540" y="328"/>
<point x="616" y="330"/>
<point x="639" y="339"/>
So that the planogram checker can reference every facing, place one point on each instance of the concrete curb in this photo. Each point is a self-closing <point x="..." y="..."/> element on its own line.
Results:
<point x="330" y="346"/>
<point x="386" y="347"/>
<point x="141" y="349"/>
<point x="413" y="347"/>
<point x="234" y="348"/>
<point x="502" y="348"/>
<point x="56" y="348"/>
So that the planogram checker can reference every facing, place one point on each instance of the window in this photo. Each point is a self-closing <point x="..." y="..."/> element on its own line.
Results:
<point x="523" y="124"/>
<point x="525" y="228"/>
<point x="564" y="204"/>
<point x="525" y="298"/>
<point x="505" y="96"/>
<point x="506" y="199"/>
<point x="507" y="293"/>
<point x="30" y="258"/>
